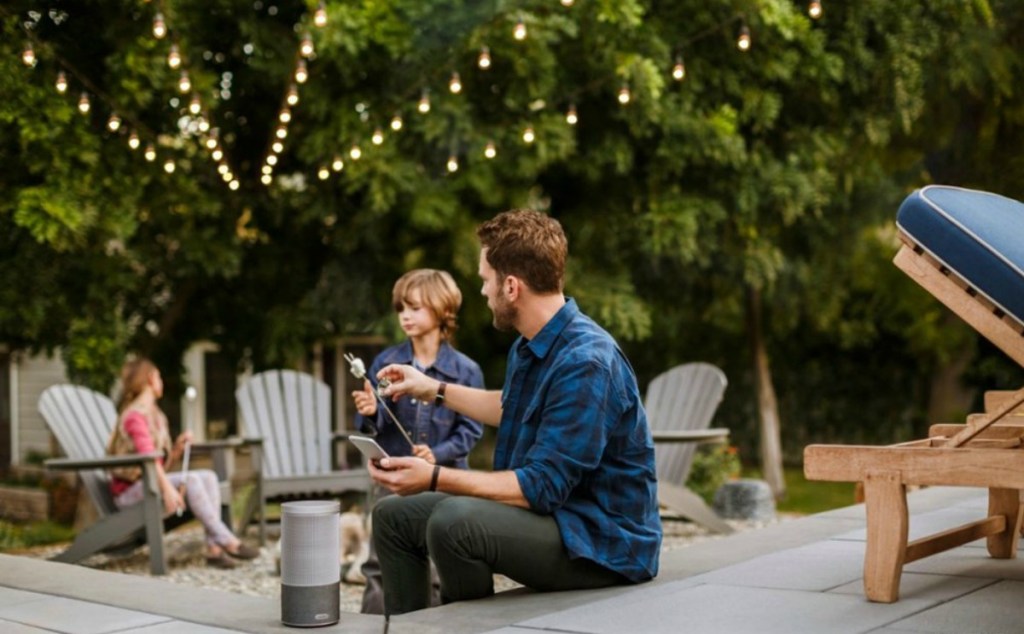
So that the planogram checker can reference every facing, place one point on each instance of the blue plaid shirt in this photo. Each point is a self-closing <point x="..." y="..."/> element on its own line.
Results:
<point x="574" y="431"/>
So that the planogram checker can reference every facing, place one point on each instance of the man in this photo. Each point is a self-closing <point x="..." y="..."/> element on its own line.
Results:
<point x="572" y="502"/>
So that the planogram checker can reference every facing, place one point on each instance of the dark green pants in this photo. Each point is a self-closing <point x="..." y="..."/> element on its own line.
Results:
<point x="469" y="540"/>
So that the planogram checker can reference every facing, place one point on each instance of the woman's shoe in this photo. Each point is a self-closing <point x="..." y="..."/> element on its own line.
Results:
<point x="221" y="561"/>
<point x="244" y="552"/>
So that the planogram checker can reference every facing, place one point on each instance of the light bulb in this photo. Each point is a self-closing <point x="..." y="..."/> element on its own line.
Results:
<point x="83" y="103"/>
<point x="174" y="57"/>
<point x="489" y="150"/>
<point x="424" y="105"/>
<point x="285" y="116"/>
<point x="234" y="185"/>
<point x="211" y="142"/>
<point x="306" y="48"/>
<point x="169" y="166"/>
<point x="278" y="147"/>
<point x="223" y="169"/>
<point x="62" y="82"/>
<point x="267" y="170"/>
<point x="378" y="137"/>
<point x="355" y="153"/>
<point x="528" y="135"/>
<point x="520" y="31"/>
<point x="567" y="3"/>
<point x="320" y="17"/>
<point x="217" y="154"/>
<point x="227" y="176"/>
<point x="301" y="72"/>
<point x="159" y="26"/>
<point x="455" y="84"/>
<point x="484" y="61"/>
<point x="743" y="40"/>
<point x="281" y="132"/>
<point x="150" y="153"/>
<point x="453" y="163"/>
<point x="266" y="179"/>
<point x="814" y="9"/>
<point x="184" y="84"/>
<point x="396" y="123"/>
<point x="337" y="164"/>
<point x="323" y="173"/>
<point x="133" y="141"/>
<point x="195" y="106"/>
<point x="272" y="159"/>
<point x="679" y="70"/>
<point x="204" y="125"/>
<point x="570" y="115"/>
<point x="28" y="56"/>
<point x="113" y="123"/>
<point x="293" y="95"/>
<point x="624" y="95"/>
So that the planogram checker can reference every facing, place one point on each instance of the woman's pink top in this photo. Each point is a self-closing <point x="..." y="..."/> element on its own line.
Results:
<point x="136" y="426"/>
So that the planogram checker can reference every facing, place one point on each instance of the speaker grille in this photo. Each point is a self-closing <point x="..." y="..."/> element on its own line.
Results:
<point x="310" y="543"/>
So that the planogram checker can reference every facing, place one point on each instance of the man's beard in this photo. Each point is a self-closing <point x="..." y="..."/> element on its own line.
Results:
<point x="504" y="314"/>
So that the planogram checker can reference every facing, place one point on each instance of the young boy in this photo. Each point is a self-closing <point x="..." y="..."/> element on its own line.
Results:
<point x="427" y="301"/>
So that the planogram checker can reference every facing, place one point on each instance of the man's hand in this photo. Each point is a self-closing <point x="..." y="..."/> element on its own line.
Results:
<point x="407" y="380"/>
<point x="404" y="476"/>
<point x="423" y="451"/>
<point x="365" y="400"/>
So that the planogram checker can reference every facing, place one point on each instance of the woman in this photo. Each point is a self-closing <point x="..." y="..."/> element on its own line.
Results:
<point x="141" y="428"/>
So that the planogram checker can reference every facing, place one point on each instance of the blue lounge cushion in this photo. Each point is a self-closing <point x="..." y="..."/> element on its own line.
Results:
<point x="978" y="235"/>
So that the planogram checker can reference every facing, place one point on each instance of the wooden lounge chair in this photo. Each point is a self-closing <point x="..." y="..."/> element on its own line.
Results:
<point x="82" y="421"/>
<point x="290" y="413"/>
<point x="967" y="249"/>
<point x="680" y="404"/>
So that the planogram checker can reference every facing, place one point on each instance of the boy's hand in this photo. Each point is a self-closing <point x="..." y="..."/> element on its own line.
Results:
<point x="366" y="402"/>
<point x="423" y="451"/>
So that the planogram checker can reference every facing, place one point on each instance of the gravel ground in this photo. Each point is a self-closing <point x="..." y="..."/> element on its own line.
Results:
<point x="259" y="577"/>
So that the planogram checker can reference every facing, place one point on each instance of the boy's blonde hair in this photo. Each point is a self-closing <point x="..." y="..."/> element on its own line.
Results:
<point x="438" y="292"/>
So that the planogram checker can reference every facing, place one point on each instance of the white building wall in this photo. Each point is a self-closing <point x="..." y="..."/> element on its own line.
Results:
<point x="34" y="374"/>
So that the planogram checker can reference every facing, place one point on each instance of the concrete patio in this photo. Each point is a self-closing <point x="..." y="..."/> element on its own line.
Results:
<point x="798" y="576"/>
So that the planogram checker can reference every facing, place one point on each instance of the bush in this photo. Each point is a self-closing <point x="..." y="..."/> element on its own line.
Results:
<point x="16" y="537"/>
<point x="713" y="465"/>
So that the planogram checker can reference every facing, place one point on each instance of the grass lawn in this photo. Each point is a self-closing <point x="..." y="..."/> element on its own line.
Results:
<point x="808" y="497"/>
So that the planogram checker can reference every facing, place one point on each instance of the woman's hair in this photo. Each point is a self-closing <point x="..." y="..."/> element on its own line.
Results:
<point x="438" y="292"/>
<point x="134" y="380"/>
<point x="528" y="245"/>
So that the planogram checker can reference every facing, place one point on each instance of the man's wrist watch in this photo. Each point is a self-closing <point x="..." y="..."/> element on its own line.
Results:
<point x="439" y="398"/>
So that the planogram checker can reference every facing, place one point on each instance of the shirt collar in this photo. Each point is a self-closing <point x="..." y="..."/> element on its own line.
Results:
<point x="446" y="361"/>
<point x="542" y="343"/>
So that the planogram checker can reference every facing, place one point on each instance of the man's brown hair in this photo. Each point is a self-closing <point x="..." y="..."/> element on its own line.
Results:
<point x="438" y="292"/>
<point x="528" y="245"/>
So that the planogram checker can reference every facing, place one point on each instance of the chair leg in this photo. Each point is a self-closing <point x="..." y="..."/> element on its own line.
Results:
<point x="888" y="526"/>
<point x="1005" y="502"/>
<point x="152" y="508"/>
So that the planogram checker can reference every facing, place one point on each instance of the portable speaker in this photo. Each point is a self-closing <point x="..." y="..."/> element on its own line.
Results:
<point x="310" y="566"/>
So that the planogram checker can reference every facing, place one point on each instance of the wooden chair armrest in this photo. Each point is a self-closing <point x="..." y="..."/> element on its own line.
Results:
<point x="106" y="462"/>
<point x="214" y="445"/>
<point x="713" y="434"/>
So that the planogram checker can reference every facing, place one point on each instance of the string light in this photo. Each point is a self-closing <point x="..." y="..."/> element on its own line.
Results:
<point x="570" y="115"/>
<point x="28" y="56"/>
<point x="174" y="57"/>
<point x="355" y="152"/>
<point x="396" y="123"/>
<point x="184" y="84"/>
<point x="489" y="150"/>
<point x="455" y="84"/>
<point x="624" y="96"/>
<point x="266" y="179"/>
<point x="227" y="175"/>
<point x="337" y="164"/>
<point x="234" y="185"/>
<point x="159" y="26"/>
<point x="293" y="95"/>
<point x="133" y="141"/>
<point x="169" y="166"/>
<point x="285" y="116"/>
<point x="277" y="147"/>
<point x="484" y="61"/>
<point x="301" y="72"/>
<point x="272" y="159"/>
<point x="453" y="163"/>
<point x="62" y="82"/>
<point x="195" y="107"/>
<point x="281" y="132"/>
<point x="113" y="123"/>
<point x="567" y="3"/>
<point x="306" y="48"/>
<point x="217" y="154"/>
<point x="150" y="153"/>
<point x="204" y="125"/>
<point x="520" y="31"/>
<point x="814" y="9"/>
<point x="267" y="170"/>
<point x="223" y="169"/>
<point x="320" y="17"/>
<point x="528" y="135"/>
<point x="83" y="103"/>
<point x="679" y="70"/>
<point x="424" y="104"/>
<point x="743" y="40"/>
<point x="211" y="141"/>
<point x="323" y="173"/>
<point x="378" y="137"/>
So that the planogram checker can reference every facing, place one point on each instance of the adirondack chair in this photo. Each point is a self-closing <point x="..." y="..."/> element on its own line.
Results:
<point x="680" y="404"/>
<point x="290" y="413"/>
<point x="82" y="421"/>
<point x="964" y="247"/>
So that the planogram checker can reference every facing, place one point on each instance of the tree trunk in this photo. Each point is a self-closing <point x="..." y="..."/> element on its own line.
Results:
<point x="949" y="400"/>
<point x="767" y="405"/>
